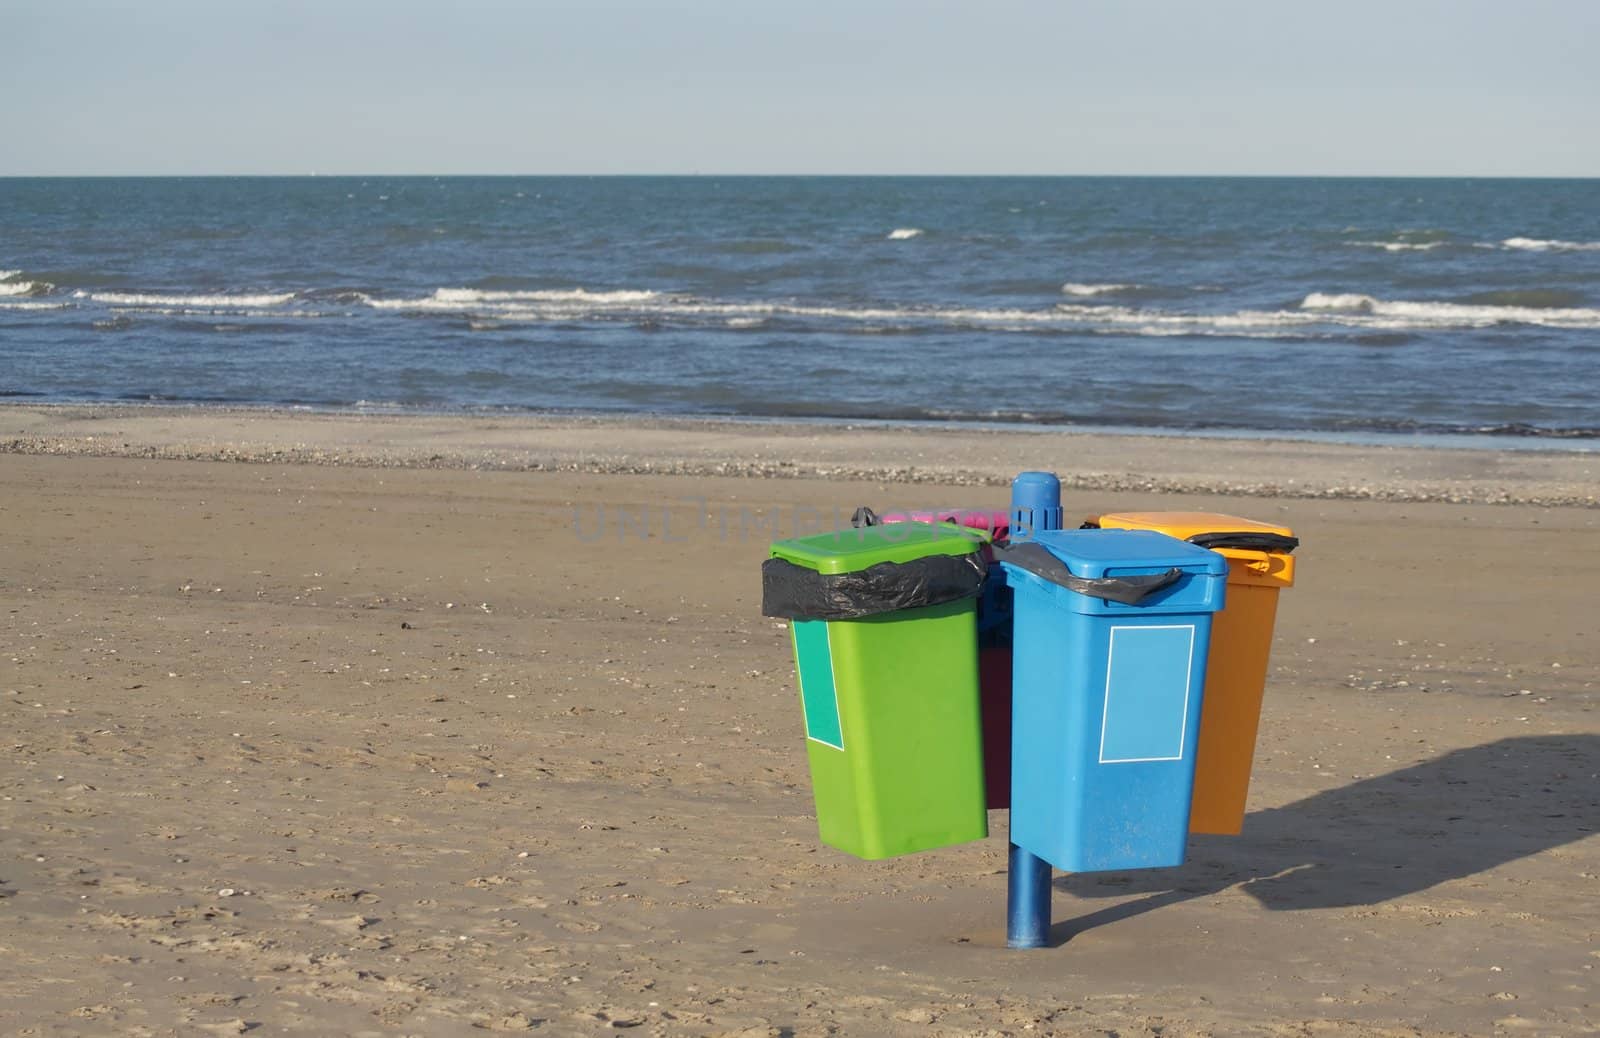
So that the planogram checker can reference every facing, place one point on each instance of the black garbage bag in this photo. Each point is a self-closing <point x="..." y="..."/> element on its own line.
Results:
<point x="1250" y="540"/>
<point x="797" y="593"/>
<point x="1038" y="560"/>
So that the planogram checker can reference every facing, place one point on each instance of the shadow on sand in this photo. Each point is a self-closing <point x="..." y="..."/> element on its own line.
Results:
<point x="1379" y="838"/>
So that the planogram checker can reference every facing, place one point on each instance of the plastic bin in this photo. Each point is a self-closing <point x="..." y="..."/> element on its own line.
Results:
<point x="994" y="648"/>
<point x="994" y="607"/>
<point x="995" y="523"/>
<point x="1107" y="694"/>
<point x="885" y="639"/>
<point x="994" y="700"/>
<point x="1259" y="564"/>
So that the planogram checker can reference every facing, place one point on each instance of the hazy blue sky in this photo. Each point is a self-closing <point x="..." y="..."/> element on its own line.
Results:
<point x="895" y="86"/>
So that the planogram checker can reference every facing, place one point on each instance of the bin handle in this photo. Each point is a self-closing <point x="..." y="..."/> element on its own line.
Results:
<point x="1036" y="559"/>
<point x="863" y="517"/>
<point x="1247" y="540"/>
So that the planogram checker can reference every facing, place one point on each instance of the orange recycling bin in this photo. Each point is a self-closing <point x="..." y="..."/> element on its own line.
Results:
<point x="1259" y="564"/>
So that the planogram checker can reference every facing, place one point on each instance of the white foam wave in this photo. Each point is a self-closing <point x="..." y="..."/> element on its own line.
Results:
<point x="8" y="304"/>
<point x="218" y="311"/>
<point x="1317" y="313"/>
<point x="142" y="299"/>
<point x="904" y="233"/>
<point x="1350" y="302"/>
<point x="22" y="288"/>
<point x="1550" y="245"/>
<point x="1073" y="288"/>
<point x="577" y="304"/>
<point x="1341" y="310"/>
<point x="1407" y="313"/>
<point x="1153" y="322"/>
<point x="756" y="313"/>
<point x="1399" y="246"/>
<point x="454" y="299"/>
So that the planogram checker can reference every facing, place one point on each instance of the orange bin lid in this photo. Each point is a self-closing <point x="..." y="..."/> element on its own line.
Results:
<point x="1246" y="565"/>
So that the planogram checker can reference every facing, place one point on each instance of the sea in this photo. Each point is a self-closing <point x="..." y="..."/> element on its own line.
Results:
<point x="1432" y="311"/>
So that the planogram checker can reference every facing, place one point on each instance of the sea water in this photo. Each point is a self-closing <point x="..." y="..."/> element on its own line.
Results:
<point x="1368" y="309"/>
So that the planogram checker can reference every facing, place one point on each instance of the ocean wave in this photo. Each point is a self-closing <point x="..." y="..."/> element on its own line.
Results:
<point x="687" y="307"/>
<point x="23" y="288"/>
<point x="1406" y="313"/>
<point x="220" y="311"/>
<point x="1550" y="245"/>
<point x="1398" y="246"/>
<point x="1163" y="322"/>
<point x="1345" y="302"/>
<point x="579" y="304"/>
<point x="1315" y="316"/>
<point x="905" y="233"/>
<point x="16" y="304"/>
<point x="1341" y="310"/>
<point x="144" y="299"/>
<point x="1074" y="288"/>
<point x="567" y="295"/>
<point x="455" y="299"/>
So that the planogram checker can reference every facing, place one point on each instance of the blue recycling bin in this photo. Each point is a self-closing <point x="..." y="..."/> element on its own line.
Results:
<point x="1109" y="639"/>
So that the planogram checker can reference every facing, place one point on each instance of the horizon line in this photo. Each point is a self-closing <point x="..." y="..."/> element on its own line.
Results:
<point x="313" y="174"/>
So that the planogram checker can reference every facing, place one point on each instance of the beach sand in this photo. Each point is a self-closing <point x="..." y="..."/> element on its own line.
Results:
<point x="431" y="725"/>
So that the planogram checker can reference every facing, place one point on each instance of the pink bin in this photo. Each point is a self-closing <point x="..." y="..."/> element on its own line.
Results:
<point x="996" y="524"/>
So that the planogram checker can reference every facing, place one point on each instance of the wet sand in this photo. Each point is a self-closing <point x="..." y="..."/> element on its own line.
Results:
<point x="363" y="739"/>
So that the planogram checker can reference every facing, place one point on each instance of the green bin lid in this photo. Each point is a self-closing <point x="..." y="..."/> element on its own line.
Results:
<point x="847" y="551"/>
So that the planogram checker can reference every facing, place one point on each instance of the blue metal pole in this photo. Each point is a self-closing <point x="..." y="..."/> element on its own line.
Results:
<point x="1035" y="506"/>
<point x="1027" y="900"/>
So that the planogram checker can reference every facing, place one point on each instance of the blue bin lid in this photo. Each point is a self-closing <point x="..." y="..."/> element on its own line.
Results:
<point x="1090" y="553"/>
<point x="1110" y="572"/>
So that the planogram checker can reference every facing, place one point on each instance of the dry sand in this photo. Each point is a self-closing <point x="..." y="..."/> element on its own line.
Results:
<point x="389" y="750"/>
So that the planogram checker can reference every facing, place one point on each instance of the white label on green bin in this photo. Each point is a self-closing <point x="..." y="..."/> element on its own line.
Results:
<point x="1147" y="693"/>
<point x="818" y="696"/>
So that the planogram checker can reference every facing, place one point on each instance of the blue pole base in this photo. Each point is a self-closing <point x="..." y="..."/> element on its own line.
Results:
<point x="1027" y="900"/>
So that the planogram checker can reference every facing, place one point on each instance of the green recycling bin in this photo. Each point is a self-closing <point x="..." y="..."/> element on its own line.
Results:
<point x="886" y="645"/>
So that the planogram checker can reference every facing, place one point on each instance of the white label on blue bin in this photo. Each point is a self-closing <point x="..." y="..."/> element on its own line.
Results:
<point x="1147" y="693"/>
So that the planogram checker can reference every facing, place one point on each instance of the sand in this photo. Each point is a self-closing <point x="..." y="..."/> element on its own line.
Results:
<point x="407" y="728"/>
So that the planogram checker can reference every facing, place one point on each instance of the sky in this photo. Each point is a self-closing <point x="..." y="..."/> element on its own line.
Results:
<point x="1403" y="87"/>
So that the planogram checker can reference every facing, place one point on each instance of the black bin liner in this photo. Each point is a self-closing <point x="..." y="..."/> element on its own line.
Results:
<point x="797" y="593"/>
<point x="1038" y="560"/>
<point x="1244" y="540"/>
<point x="1248" y="540"/>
